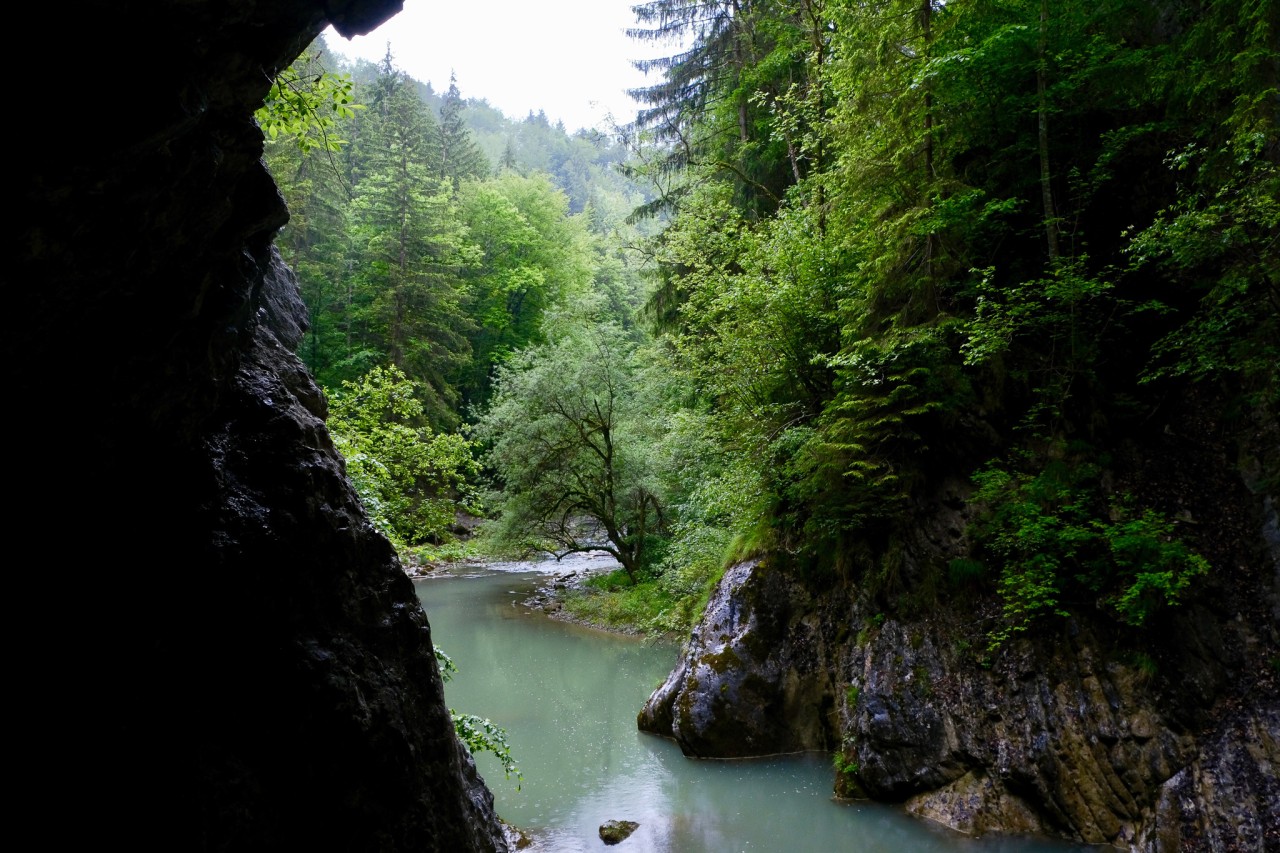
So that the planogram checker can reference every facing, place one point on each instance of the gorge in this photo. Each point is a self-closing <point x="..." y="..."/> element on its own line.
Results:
<point x="259" y="675"/>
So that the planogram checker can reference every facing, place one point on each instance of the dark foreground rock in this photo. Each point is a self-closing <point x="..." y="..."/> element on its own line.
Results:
<point x="256" y="673"/>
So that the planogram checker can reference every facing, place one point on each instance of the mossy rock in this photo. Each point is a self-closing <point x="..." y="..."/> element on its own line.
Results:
<point x="617" y="831"/>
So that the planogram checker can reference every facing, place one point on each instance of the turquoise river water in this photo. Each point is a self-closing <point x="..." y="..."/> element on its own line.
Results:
<point x="568" y="697"/>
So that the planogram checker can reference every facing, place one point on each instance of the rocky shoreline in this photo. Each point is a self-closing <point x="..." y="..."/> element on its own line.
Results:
<point x="550" y="593"/>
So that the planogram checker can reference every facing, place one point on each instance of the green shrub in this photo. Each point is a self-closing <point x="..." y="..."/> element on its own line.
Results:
<point x="844" y="766"/>
<point x="1058" y="537"/>
<point x="411" y="480"/>
<point x="479" y="734"/>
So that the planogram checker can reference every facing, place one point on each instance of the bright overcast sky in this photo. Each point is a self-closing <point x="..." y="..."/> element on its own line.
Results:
<point x="569" y="58"/>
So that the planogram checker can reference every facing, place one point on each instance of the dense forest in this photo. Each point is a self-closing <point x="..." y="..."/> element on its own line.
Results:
<point x="845" y="251"/>
<point x="916" y="361"/>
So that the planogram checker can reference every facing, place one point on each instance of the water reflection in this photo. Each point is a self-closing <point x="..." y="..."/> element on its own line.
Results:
<point x="568" y="698"/>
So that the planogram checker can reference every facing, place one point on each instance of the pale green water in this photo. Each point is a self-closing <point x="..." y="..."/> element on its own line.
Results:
<point x="568" y="698"/>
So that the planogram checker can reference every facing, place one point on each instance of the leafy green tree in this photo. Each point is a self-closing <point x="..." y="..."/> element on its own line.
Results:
<point x="308" y="103"/>
<point x="571" y="444"/>
<point x="413" y="482"/>
<point x="533" y="256"/>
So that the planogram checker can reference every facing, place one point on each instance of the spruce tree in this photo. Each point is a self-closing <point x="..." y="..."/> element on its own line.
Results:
<point x="409" y="308"/>
<point x="457" y="155"/>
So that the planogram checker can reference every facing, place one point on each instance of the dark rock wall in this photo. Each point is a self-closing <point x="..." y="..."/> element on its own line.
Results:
<point x="1164" y="739"/>
<point x="212" y="649"/>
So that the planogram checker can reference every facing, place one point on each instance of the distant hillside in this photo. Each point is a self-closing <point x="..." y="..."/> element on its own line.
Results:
<point x="584" y="163"/>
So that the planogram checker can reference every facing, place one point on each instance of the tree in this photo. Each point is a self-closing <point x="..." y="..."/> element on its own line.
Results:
<point x="305" y="118"/>
<point x="1216" y="240"/>
<point x="457" y="155"/>
<point x="408" y="279"/>
<point x="412" y="481"/>
<point x="534" y="256"/>
<point x="307" y="102"/>
<point x="572" y="446"/>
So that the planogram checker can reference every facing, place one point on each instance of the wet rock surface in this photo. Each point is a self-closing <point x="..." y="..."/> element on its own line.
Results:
<point x="1160" y="740"/>
<point x="257" y="673"/>
<point x="751" y="680"/>
<point x="617" y="831"/>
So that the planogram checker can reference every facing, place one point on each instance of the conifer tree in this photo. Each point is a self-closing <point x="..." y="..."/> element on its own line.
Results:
<point x="458" y="158"/>
<point x="409" y="311"/>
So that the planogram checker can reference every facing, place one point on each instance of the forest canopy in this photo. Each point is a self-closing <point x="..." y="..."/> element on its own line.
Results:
<point x="846" y="251"/>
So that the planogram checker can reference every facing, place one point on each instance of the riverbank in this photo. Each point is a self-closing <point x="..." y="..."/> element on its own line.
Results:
<point x="567" y="700"/>
<point x="558" y="596"/>
<point x="588" y="589"/>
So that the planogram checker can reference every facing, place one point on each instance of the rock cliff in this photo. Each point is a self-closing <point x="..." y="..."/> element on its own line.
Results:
<point x="1166" y="739"/>
<point x="216" y="651"/>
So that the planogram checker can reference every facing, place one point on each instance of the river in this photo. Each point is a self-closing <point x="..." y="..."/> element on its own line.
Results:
<point x="568" y="695"/>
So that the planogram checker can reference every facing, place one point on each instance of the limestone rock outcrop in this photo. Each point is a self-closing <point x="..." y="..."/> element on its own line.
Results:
<point x="752" y="680"/>
<point x="1161" y="739"/>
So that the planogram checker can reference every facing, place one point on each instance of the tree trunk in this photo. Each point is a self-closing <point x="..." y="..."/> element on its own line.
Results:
<point x="1042" y="136"/>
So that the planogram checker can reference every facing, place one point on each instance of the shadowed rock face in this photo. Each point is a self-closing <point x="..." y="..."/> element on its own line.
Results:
<point x="1167" y="739"/>
<point x="220" y="651"/>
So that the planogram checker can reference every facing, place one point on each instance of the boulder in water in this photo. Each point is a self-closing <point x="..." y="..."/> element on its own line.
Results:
<point x="615" y="831"/>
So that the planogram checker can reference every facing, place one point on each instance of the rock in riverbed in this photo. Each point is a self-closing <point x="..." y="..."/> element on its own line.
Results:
<point x="615" y="831"/>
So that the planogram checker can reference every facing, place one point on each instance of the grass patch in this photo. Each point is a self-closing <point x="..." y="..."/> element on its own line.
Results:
<point x="449" y="552"/>
<point x="610" y="601"/>
<point x="614" y="581"/>
<point x="668" y="604"/>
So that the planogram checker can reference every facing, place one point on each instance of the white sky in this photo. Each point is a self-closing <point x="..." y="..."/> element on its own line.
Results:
<point x="569" y="58"/>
